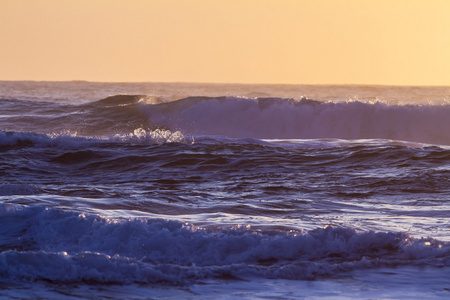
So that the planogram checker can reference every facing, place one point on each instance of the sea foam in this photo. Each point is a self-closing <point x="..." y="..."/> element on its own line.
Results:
<point x="71" y="140"/>
<point x="52" y="244"/>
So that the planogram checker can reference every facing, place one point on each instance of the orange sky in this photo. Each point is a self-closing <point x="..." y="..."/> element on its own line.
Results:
<point x="232" y="41"/>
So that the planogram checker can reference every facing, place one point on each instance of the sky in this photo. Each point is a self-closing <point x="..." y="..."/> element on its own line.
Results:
<point x="391" y="42"/>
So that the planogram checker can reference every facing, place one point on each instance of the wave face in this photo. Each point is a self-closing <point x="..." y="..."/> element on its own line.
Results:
<point x="233" y="117"/>
<point x="304" y="119"/>
<point x="50" y="244"/>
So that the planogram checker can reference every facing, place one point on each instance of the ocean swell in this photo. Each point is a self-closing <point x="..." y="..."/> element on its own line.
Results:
<point x="235" y="117"/>
<point x="272" y="118"/>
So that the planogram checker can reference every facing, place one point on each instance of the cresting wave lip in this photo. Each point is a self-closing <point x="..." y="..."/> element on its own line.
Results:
<point x="51" y="244"/>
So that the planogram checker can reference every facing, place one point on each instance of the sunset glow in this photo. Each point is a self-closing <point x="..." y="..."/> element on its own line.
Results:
<point x="246" y="41"/>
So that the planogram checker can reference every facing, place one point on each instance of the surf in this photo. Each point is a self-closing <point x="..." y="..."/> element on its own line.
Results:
<point x="63" y="246"/>
<point x="274" y="118"/>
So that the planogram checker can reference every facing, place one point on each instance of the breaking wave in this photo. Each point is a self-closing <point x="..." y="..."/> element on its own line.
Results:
<point x="50" y="244"/>
<point x="70" y="140"/>
<point x="235" y="117"/>
<point x="272" y="118"/>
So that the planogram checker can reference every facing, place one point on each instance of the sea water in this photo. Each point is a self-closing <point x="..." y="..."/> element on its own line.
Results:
<point x="172" y="190"/>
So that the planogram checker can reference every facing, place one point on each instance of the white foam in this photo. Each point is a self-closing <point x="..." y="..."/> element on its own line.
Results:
<point x="158" y="136"/>
<point x="71" y="140"/>
<point x="65" y="246"/>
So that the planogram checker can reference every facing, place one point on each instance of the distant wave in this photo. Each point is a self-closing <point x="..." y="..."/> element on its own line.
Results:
<point x="61" y="246"/>
<point x="270" y="118"/>
<point x="234" y="117"/>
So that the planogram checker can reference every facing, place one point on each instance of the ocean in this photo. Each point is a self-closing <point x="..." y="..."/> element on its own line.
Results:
<point x="223" y="191"/>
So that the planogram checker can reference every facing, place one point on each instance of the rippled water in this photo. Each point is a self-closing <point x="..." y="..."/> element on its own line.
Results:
<point x="224" y="191"/>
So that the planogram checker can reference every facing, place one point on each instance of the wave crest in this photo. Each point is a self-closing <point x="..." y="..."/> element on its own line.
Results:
<point x="274" y="118"/>
<point x="66" y="246"/>
<point x="71" y="140"/>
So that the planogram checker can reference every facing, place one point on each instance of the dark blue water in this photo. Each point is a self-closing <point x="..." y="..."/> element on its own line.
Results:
<point x="223" y="197"/>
